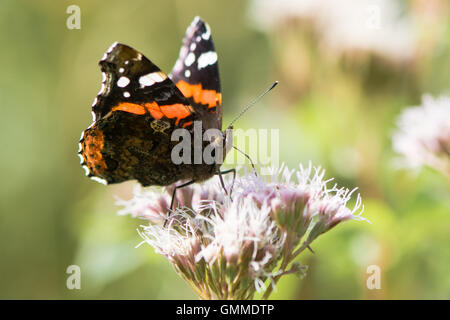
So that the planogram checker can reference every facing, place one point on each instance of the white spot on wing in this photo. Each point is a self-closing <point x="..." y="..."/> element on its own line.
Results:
<point x="189" y="59"/>
<point x="104" y="88"/>
<point x="207" y="34"/>
<point x="193" y="46"/>
<point x="126" y="94"/>
<point x="151" y="78"/>
<point x="121" y="70"/>
<point x="187" y="73"/>
<point x="100" y="180"/>
<point x="123" y="82"/>
<point x="207" y="59"/>
<point x="80" y="156"/>
<point x="112" y="47"/>
<point x="192" y="25"/>
<point x="86" y="170"/>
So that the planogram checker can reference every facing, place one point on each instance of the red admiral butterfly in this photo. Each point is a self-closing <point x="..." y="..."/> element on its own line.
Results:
<point x="139" y="106"/>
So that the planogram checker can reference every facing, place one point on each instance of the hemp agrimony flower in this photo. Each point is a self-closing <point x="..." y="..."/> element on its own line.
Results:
<point x="423" y="135"/>
<point x="233" y="246"/>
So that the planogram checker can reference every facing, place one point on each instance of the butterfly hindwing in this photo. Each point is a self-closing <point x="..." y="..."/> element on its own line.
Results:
<point x="196" y="73"/>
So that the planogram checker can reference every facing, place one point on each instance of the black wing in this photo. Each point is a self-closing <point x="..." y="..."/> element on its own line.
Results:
<point x="196" y="73"/>
<point x="131" y="80"/>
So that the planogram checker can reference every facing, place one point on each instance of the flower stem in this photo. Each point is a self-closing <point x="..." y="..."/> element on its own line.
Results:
<point x="283" y="266"/>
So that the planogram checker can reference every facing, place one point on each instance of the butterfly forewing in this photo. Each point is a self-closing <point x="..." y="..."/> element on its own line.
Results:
<point x="131" y="80"/>
<point x="196" y="73"/>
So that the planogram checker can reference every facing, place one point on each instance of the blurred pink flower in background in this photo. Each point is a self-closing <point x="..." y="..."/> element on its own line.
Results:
<point x="423" y="134"/>
<point x="389" y="29"/>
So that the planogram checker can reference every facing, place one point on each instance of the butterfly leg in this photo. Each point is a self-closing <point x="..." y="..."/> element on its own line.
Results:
<point x="175" y="191"/>
<point x="222" y="183"/>
<point x="173" y="197"/>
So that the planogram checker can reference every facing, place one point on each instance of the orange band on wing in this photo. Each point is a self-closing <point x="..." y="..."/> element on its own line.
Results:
<point x="178" y="110"/>
<point x="154" y="110"/>
<point x="129" y="107"/>
<point x="93" y="144"/>
<point x="211" y="98"/>
<point x="187" y="124"/>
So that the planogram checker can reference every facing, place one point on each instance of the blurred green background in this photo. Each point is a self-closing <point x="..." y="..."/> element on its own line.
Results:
<point x="334" y="106"/>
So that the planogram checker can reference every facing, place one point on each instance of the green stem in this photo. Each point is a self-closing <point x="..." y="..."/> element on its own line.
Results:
<point x="282" y="268"/>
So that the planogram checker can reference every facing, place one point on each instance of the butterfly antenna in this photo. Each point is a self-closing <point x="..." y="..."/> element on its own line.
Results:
<point x="251" y="104"/>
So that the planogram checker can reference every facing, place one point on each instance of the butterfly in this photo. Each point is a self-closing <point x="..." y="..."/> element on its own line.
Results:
<point x="139" y="107"/>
